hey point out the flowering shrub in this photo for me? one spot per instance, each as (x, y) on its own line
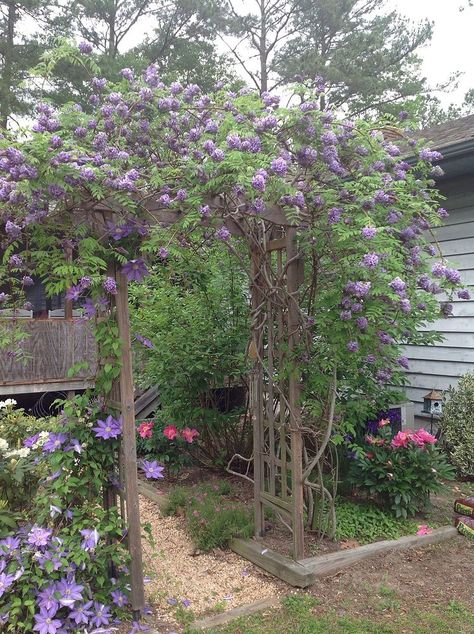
(19, 469)
(399, 472)
(55, 569)
(458, 428)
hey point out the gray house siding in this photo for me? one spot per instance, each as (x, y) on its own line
(440, 366)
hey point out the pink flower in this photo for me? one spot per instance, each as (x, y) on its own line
(422, 438)
(402, 439)
(145, 429)
(424, 529)
(189, 434)
(170, 432)
(384, 422)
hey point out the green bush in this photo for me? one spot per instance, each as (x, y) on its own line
(457, 425)
(212, 521)
(197, 342)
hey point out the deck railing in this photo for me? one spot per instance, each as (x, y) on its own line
(50, 349)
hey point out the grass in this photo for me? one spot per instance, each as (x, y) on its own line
(297, 615)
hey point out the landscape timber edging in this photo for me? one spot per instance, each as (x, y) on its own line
(230, 615)
(304, 572)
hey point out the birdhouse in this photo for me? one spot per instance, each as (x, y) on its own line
(433, 403)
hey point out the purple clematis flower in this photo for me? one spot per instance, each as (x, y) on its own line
(54, 442)
(108, 428)
(32, 440)
(135, 270)
(81, 614)
(101, 615)
(91, 539)
(46, 623)
(46, 599)
(70, 592)
(39, 536)
(5, 582)
(152, 469)
(9, 544)
(119, 598)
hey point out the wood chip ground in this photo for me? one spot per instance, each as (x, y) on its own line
(210, 582)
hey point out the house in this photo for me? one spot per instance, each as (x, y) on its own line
(439, 367)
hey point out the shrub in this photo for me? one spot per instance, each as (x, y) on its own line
(20, 472)
(211, 520)
(195, 346)
(400, 472)
(457, 425)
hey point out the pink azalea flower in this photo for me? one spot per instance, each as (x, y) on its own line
(424, 529)
(422, 437)
(384, 422)
(190, 434)
(145, 429)
(402, 439)
(171, 432)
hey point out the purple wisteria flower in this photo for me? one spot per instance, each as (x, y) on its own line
(119, 598)
(152, 469)
(279, 166)
(353, 346)
(85, 47)
(163, 253)
(370, 260)
(403, 362)
(108, 428)
(39, 536)
(127, 73)
(46, 623)
(223, 234)
(369, 232)
(91, 539)
(362, 323)
(398, 285)
(453, 276)
(135, 270)
(110, 285)
(464, 294)
(334, 215)
(54, 442)
(430, 155)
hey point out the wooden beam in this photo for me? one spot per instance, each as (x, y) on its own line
(293, 572)
(329, 564)
(129, 449)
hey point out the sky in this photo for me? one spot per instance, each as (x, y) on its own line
(452, 46)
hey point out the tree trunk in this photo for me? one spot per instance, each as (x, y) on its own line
(112, 44)
(263, 48)
(8, 56)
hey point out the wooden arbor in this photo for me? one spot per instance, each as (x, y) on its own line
(277, 272)
(275, 276)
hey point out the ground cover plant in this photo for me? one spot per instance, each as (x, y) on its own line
(212, 520)
(361, 213)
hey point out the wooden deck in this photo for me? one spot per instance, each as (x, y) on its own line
(52, 347)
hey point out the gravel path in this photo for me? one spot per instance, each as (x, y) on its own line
(211, 582)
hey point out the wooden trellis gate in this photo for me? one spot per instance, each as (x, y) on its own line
(277, 271)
